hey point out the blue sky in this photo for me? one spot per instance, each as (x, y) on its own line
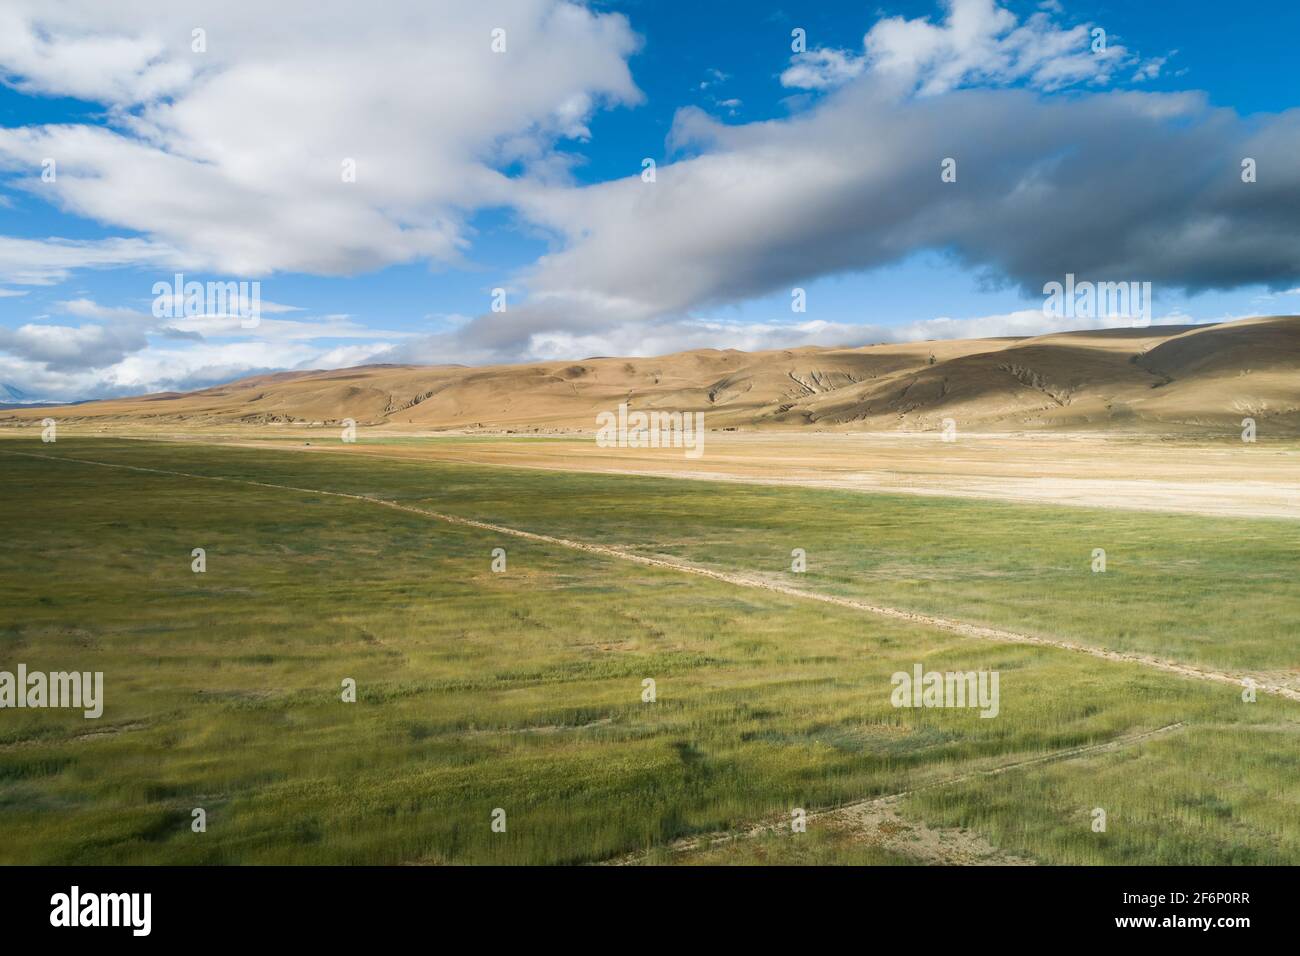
(521, 170)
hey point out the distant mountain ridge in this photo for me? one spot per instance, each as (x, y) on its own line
(1175, 377)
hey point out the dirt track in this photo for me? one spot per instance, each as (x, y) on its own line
(878, 816)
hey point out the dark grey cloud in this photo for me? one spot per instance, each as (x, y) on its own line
(1120, 186)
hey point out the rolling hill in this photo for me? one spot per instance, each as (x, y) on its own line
(1159, 378)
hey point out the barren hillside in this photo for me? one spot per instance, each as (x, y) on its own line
(1169, 377)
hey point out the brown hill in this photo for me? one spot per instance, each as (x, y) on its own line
(1158, 378)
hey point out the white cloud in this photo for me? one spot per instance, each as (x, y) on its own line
(673, 335)
(235, 156)
(1026, 322)
(714, 77)
(123, 351)
(160, 367)
(1150, 69)
(821, 69)
(48, 261)
(62, 347)
(181, 369)
(978, 42)
(280, 330)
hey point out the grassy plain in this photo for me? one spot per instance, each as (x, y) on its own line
(1209, 590)
(522, 690)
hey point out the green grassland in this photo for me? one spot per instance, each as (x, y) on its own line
(1213, 591)
(522, 690)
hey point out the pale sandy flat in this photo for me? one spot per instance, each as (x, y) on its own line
(1224, 477)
